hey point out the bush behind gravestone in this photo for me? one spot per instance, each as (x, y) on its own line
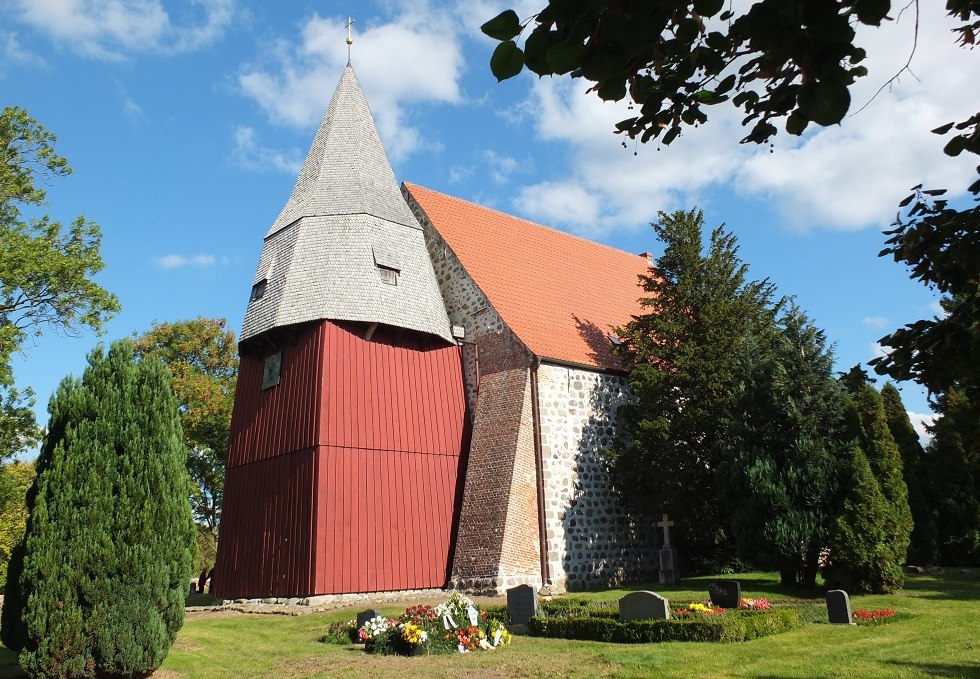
(110, 542)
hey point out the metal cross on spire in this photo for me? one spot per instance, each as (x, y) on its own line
(350, 40)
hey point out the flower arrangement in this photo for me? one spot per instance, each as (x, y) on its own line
(454, 626)
(873, 616)
(375, 627)
(760, 604)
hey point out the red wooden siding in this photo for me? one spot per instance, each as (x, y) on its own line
(380, 428)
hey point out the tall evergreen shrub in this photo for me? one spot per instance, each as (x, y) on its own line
(110, 544)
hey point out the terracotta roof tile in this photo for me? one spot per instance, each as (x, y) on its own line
(559, 293)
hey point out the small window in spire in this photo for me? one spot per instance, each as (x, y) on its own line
(388, 275)
(258, 290)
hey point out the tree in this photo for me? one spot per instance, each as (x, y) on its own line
(781, 482)
(45, 270)
(877, 564)
(775, 59)
(923, 544)
(954, 479)
(203, 359)
(700, 310)
(15, 479)
(110, 541)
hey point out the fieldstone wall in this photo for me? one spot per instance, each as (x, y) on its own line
(592, 540)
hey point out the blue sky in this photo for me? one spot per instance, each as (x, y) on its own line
(186, 124)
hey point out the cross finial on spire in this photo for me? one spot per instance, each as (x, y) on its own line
(350, 40)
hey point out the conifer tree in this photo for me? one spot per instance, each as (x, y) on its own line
(886, 551)
(923, 545)
(110, 542)
(954, 489)
(701, 309)
(781, 483)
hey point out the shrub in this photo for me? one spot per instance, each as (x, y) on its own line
(601, 626)
(110, 542)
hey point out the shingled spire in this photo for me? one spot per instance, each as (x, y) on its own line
(346, 247)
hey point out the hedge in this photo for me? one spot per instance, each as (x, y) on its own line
(603, 625)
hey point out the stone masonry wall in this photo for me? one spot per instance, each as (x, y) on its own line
(592, 540)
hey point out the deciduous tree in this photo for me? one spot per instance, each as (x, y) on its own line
(46, 270)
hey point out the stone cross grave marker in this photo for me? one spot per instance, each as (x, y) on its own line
(668, 555)
(838, 607)
(725, 593)
(643, 605)
(522, 604)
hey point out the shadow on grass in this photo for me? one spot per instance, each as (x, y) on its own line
(943, 587)
(935, 669)
(9, 669)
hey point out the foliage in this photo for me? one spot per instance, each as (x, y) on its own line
(109, 544)
(780, 483)
(923, 543)
(954, 480)
(699, 312)
(15, 479)
(728, 626)
(45, 270)
(203, 359)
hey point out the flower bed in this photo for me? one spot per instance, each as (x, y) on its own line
(456, 626)
(863, 616)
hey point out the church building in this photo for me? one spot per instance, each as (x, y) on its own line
(424, 391)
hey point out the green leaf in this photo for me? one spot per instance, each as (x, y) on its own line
(825, 102)
(708, 8)
(504, 26)
(726, 84)
(564, 56)
(955, 146)
(507, 60)
(796, 123)
(871, 12)
(943, 129)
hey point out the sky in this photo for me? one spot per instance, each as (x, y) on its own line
(186, 124)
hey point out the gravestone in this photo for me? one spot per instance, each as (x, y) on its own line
(364, 616)
(838, 607)
(201, 579)
(643, 605)
(725, 593)
(669, 574)
(522, 604)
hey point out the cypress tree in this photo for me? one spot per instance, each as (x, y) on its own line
(923, 543)
(955, 479)
(110, 545)
(780, 485)
(701, 309)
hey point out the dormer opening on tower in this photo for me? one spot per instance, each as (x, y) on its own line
(261, 281)
(388, 262)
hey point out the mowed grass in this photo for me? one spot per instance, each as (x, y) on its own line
(936, 633)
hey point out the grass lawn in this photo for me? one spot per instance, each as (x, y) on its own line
(936, 633)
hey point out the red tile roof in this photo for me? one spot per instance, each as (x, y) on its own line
(559, 293)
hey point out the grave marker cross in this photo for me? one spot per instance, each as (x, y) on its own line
(666, 524)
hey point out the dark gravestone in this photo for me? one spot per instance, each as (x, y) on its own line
(725, 593)
(522, 604)
(838, 607)
(364, 616)
(643, 605)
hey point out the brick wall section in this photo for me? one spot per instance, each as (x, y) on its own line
(497, 544)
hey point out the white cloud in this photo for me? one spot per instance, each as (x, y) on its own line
(876, 322)
(501, 166)
(459, 173)
(181, 261)
(878, 351)
(113, 29)
(561, 203)
(248, 154)
(920, 421)
(12, 52)
(296, 87)
(844, 177)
